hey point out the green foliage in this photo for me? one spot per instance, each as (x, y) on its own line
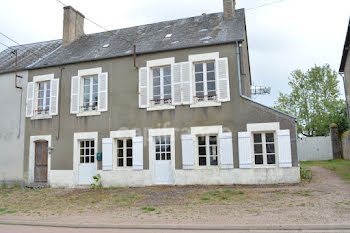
(97, 182)
(339, 166)
(305, 173)
(315, 101)
(148, 209)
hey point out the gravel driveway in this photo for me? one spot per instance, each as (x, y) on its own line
(324, 200)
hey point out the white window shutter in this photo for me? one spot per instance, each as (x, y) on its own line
(54, 92)
(75, 95)
(107, 154)
(30, 99)
(137, 153)
(103, 92)
(143, 87)
(245, 150)
(176, 84)
(186, 74)
(226, 151)
(223, 81)
(284, 148)
(187, 151)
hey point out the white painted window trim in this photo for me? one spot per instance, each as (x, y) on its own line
(198, 58)
(76, 154)
(270, 127)
(158, 64)
(31, 168)
(120, 134)
(83, 73)
(152, 158)
(206, 131)
(36, 80)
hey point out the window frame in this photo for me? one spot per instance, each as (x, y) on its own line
(161, 86)
(37, 110)
(264, 152)
(117, 135)
(206, 97)
(87, 148)
(207, 148)
(91, 93)
(36, 80)
(125, 156)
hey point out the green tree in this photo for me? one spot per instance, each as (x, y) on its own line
(314, 100)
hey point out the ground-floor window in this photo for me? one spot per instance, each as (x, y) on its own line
(207, 150)
(87, 151)
(163, 148)
(264, 148)
(124, 152)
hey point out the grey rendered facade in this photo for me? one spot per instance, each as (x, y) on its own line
(225, 37)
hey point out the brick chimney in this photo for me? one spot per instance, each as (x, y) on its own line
(229, 9)
(73, 25)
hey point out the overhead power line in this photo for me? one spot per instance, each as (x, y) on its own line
(266, 4)
(5, 45)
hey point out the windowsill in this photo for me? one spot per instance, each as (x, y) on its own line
(123, 169)
(161, 107)
(265, 166)
(208, 167)
(205, 104)
(89, 113)
(42, 117)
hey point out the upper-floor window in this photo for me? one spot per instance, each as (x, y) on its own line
(207, 150)
(90, 93)
(43, 98)
(205, 86)
(161, 78)
(264, 149)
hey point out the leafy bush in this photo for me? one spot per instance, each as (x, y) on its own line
(305, 173)
(98, 183)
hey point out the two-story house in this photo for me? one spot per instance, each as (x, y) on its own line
(163, 103)
(344, 69)
(14, 64)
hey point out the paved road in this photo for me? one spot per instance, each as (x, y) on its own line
(29, 229)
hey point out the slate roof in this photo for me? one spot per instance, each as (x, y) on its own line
(190, 32)
(27, 55)
(346, 50)
(186, 33)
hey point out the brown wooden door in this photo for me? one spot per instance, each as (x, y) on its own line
(40, 171)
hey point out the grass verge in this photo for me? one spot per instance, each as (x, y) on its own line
(339, 166)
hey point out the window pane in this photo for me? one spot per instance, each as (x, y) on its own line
(120, 143)
(168, 156)
(212, 140)
(157, 148)
(81, 151)
(202, 150)
(210, 66)
(156, 81)
(87, 159)
(168, 148)
(212, 93)
(259, 159)
(157, 156)
(95, 80)
(86, 81)
(92, 159)
(41, 102)
(163, 156)
(157, 140)
(120, 152)
(95, 88)
(163, 149)
(166, 71)
(41, 87)
(201, 140)
(129, 143)
(214, 161)
(87, 143)
(120, 162)
(258, 148)
(257, 138)
(92, 143)
(198, 67)
(129, 162)
(213, 150)
(167, 90)
(271, 159)
(156, 91)
(269, 137)
(47, 93)
(162, 140)
(199, 77)
(202, 161)
(211, 86)
(81, 143)
(129, 152)
(211, 76)
(270, 148)
(156, 72)
(200, 94)
(87, 152)
(81, 159)
(92, 152)
(199, 87)
(167, 140)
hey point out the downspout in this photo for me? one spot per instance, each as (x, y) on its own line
(346, 98)
(59, 102)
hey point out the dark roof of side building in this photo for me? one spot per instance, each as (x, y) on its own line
(346, 50)
(27, 55)
(204, 30)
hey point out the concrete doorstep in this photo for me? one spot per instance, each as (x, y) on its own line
(181, 227)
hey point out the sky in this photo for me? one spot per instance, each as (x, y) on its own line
(282, 37)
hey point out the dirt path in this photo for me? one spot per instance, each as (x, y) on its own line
(325, 199)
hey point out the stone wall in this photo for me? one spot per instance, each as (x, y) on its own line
(346, 145)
